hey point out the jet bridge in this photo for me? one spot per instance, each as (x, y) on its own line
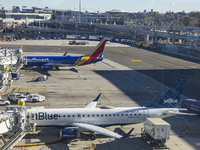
(11, 60)
(11, 57)
(14, 124)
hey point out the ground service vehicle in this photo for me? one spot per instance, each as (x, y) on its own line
(15, 75)
(138, 43)
(147, 44)
(156, 131)
(77, 42)
(4, 102)
(35, 98)
(15, 96)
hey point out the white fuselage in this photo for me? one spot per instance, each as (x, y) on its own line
(96, 116)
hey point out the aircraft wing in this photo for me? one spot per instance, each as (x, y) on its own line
(93, 103)
(97, 129)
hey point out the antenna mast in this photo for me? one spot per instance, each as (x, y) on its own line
(79, 11)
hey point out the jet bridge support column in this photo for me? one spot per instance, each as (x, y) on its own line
(147, 37)
(173, 39)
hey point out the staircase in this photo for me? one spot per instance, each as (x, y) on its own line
(12, 139)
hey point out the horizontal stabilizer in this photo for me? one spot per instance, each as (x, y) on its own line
(178, 111)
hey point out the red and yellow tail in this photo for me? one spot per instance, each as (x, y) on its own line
(93, 56)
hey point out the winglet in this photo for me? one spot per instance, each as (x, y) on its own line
(93, 103)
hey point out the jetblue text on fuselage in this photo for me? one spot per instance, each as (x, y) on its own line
(45, 116)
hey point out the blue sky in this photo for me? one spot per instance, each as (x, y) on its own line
(106, 5)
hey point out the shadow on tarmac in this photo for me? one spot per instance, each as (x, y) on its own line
(126, 81)
(42, 137)
(45, 71)
(125, 144)
(130, 83)
(167, 77)
(54, 136)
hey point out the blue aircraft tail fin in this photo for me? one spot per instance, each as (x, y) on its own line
(172, 98)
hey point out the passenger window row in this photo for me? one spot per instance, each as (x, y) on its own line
(101, 115)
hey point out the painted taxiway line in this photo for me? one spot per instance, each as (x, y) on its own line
(160, 61)
(116, 50)
(136, 60)
(57, 89)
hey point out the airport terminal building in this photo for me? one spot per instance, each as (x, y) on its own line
(23, 17)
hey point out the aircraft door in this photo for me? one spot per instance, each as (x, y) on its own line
(23, 61)
(146, 113)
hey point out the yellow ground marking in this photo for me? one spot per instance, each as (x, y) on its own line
(160, 61)
(57, 49)
(57, 89)
(136, 60)
(164, 62)
(116, 50)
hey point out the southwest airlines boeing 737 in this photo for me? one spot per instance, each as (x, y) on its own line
(49, 62)
(94, 119)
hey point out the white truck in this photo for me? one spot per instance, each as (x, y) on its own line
(15, 97)
(35, 98)
(71, 36)
(94, 38)
(78, 42)
(156, 132)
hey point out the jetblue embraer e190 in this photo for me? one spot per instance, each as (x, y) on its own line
(94, 119)
(48, 62)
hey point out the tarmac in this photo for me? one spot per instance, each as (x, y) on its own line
(75, 87)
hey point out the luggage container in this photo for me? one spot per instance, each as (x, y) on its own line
(156, 131)
(15, 75)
